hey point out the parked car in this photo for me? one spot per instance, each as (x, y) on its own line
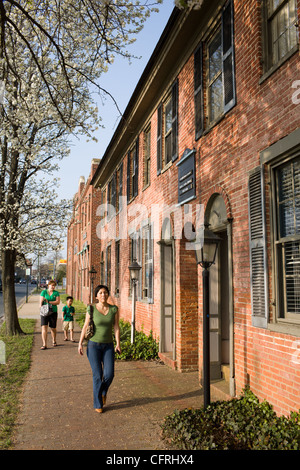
(0, 285)
(43, 283)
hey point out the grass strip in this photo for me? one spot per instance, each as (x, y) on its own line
(15, 355)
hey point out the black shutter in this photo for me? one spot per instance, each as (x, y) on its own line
(198, 92)
(136, 169)
(108, 199)
(120, 186)
(258, 250)
(175, 120)
(228, 57)
(128, 177)
(114, 190)
(159, 139)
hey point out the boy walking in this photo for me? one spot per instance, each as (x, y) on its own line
(67, 316)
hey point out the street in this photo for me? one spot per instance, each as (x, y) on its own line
(20, 295)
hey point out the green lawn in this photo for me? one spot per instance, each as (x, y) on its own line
(17, 358)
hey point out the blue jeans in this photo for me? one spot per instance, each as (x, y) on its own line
(102, 360)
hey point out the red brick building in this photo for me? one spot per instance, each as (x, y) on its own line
(83, 245)
(213, 125)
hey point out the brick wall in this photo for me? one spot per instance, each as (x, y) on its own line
(82, 233)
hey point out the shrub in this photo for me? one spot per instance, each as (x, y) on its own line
(144, 347)
(237, 424)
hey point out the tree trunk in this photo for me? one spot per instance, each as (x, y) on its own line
(9, 297)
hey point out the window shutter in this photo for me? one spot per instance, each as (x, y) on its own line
(258, 250)
(108, 199)
(150, 265)
(136, 168)
(175, 121)
(128, 178)
(198, 93)
(159, 139)
(113, 190)
(228, 57)
(120, 186)
(139, 260)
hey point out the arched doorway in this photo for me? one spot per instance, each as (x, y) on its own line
(221, 304)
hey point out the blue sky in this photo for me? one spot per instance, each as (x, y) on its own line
(120, 81)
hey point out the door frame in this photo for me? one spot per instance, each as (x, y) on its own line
(220, 222)
(170, 243)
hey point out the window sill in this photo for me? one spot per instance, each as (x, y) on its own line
(285, 328)
(166, 167)
(146, 186)
(275, 67)
(130, 200)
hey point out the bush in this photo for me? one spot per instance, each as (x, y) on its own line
(237, 424)
(144, 347)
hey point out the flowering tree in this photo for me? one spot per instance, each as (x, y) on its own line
(52, 55)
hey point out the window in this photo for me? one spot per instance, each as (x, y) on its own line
(287, 179)
(167, 129)
(109, 196)
(147, 263)
(112, 196)
(220, 67)
(108, 267)
(198, 93)
(218, 51)
(215, 82)
(147, 149)
(103, 207)
(280, 30)
(120, 189)
(133, 171)
(102, 281)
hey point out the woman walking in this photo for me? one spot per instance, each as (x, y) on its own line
(52, 297)
(100, 348)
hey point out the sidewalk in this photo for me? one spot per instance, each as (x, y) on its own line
(57, 403)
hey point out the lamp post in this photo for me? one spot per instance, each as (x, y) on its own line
(92, 273)
(206, 251)
(134, 269)
(28, 264)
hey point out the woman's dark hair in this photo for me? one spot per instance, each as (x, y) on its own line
(101, 287)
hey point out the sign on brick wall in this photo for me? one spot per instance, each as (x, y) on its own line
(186, 176)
